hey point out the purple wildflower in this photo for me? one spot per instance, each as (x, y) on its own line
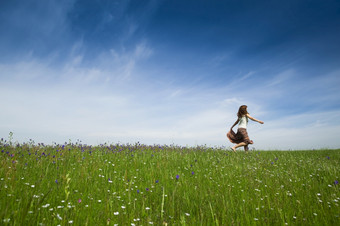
(147, 189)
(177, 177)
(138, 191)
(336, 182)
(192, 173)
(56, 181)
(157, 181)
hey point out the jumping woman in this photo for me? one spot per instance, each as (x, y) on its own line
(241, 137)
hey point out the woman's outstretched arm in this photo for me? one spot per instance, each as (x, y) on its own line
(254, 119)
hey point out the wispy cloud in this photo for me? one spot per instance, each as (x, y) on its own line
(34, 28)
(302, 131)
(279, 79)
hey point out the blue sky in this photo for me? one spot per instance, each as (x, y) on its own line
(170, 72)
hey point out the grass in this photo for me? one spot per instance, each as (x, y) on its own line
(166, 185)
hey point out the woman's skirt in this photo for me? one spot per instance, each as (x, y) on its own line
(239, 137)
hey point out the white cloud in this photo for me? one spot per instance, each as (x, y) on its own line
(25, 71)
(75, 102)
(100, 104)
(142, 51)
(95, 115)
(282, 77)
(301, 131)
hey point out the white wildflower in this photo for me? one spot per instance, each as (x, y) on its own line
(45, 206)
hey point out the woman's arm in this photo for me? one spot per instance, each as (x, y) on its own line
(235, 124)
(254, 119)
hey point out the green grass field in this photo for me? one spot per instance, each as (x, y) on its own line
(166, 185)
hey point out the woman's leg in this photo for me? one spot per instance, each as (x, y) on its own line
(246, 148)
(238, 145)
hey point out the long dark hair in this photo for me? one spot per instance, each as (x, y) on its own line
(242, 111)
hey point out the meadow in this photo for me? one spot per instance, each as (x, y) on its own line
(136, 184)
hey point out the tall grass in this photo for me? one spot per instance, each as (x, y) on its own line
(166, 185)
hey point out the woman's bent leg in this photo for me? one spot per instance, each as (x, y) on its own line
(239, 145)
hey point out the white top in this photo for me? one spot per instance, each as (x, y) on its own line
(243, 122)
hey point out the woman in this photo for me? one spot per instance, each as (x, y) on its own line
(241, 138)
